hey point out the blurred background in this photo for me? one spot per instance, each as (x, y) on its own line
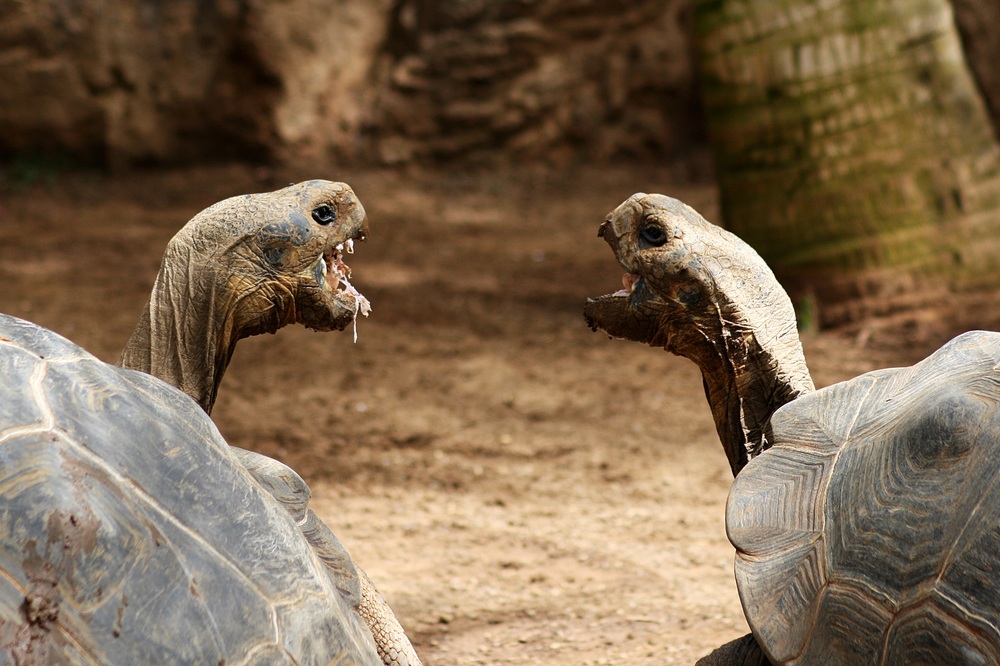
(522, 490)
(854, 143)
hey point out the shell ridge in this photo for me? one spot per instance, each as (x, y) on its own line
(901, 388)
(255, 651)
(923, 629)
(861, 403)
(982, 619)
(969, 519)
(38, 393)
(853, 615)
(833, 443)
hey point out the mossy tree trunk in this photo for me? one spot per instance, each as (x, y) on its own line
(852, 147)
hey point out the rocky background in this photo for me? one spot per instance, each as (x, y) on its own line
(117, 83)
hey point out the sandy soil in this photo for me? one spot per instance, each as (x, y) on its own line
(524, 491)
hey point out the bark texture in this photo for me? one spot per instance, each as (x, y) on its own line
(853, 148)
(979, 24)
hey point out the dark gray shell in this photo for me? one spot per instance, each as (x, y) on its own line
(131, 534)
(870, 532)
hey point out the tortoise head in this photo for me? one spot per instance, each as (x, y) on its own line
(699, 291)
(247, 265)
(673, 261)
(277, 257)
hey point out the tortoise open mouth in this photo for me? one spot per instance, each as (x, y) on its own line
(337, 276)
(629, 283)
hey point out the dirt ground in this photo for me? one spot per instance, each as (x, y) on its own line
(522, 490)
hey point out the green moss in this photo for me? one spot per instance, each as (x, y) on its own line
(27, 169)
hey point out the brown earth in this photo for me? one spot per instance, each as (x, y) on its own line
(524, 491)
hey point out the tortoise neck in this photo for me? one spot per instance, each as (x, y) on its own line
(750, 369)
(186, 335)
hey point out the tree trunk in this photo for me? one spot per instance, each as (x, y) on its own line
(852, 147)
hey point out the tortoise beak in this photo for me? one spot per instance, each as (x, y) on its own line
(614, 315)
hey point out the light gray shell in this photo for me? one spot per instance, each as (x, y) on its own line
(131, 534)
(870, 532)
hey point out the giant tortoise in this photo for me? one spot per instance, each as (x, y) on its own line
(130, 533)
(865, 515)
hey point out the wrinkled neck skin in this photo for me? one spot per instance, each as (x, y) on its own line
(748, 370)
(189, 329)
(751, 361)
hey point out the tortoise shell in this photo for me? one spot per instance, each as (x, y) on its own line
(131, 534)
(870, 531)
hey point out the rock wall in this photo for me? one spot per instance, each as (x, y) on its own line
(544, 78)
(112, 81)
(123, 82)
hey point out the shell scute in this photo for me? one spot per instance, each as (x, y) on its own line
(776, 500)
(788, 587)
(937, 631)
(847, 628)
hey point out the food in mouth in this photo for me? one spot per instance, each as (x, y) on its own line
(338, 277)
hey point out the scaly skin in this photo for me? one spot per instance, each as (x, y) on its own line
(393, 646)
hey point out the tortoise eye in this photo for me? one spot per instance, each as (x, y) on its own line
(324, 214)
(654, 235)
